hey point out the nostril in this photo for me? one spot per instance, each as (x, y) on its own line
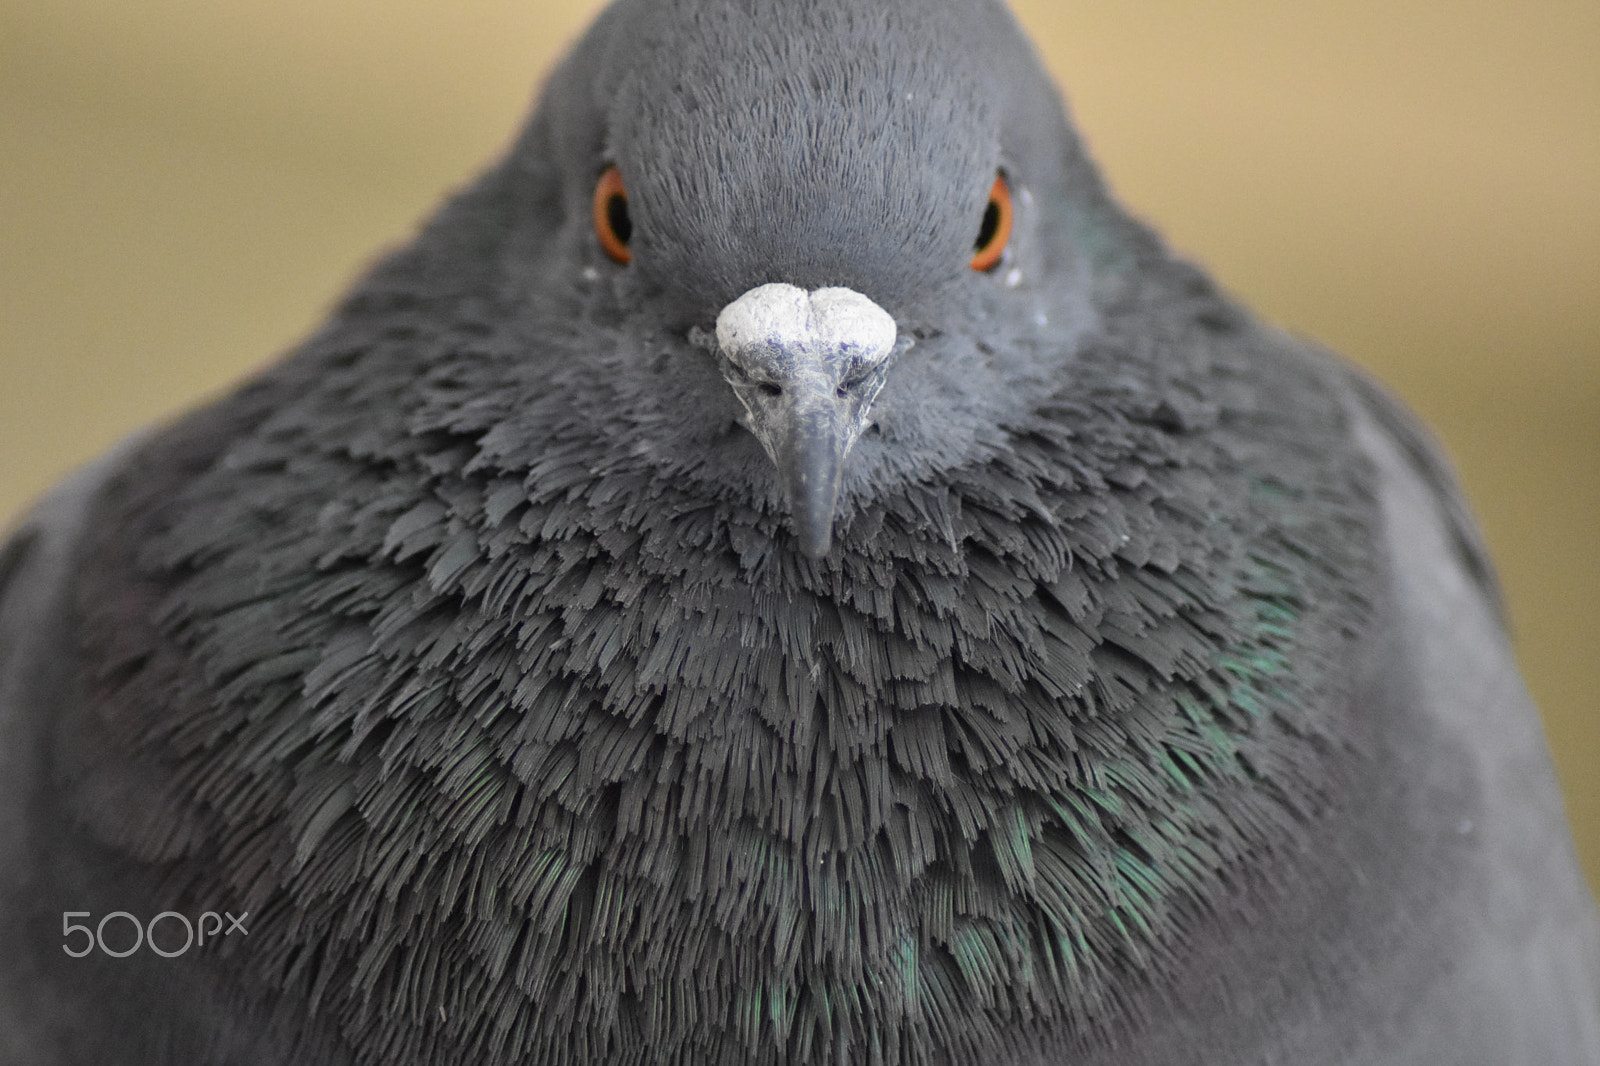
(769, 389)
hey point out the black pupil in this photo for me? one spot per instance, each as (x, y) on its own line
(617, 217)
(991, 225)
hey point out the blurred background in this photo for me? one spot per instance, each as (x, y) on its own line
(186, 185)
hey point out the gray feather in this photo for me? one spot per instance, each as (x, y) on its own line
(1147, 701)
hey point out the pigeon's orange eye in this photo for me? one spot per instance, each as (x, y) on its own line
(995, 229)
(611, 222)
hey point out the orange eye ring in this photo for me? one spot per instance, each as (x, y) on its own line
(994, 233)
(611, 222)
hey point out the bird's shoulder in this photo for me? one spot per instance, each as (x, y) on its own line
(37, 578)
(37, 658)
(1518, 947)
(1478, 940)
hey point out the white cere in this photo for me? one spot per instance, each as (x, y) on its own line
(770, 327)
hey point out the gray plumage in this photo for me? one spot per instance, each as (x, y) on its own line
(563, 661)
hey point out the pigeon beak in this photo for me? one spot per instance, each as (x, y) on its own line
(807, 367)
(809, 442)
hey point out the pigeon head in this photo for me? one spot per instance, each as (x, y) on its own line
(832, 206)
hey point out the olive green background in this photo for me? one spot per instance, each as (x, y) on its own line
(186, 185)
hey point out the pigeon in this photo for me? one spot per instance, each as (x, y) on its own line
(783, 569)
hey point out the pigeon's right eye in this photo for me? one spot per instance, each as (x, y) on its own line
(611, 222)
(994, 232)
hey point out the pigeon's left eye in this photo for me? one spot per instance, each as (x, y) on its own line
(611, 222)
(995, 230)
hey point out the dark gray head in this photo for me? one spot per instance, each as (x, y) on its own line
(774, 155)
